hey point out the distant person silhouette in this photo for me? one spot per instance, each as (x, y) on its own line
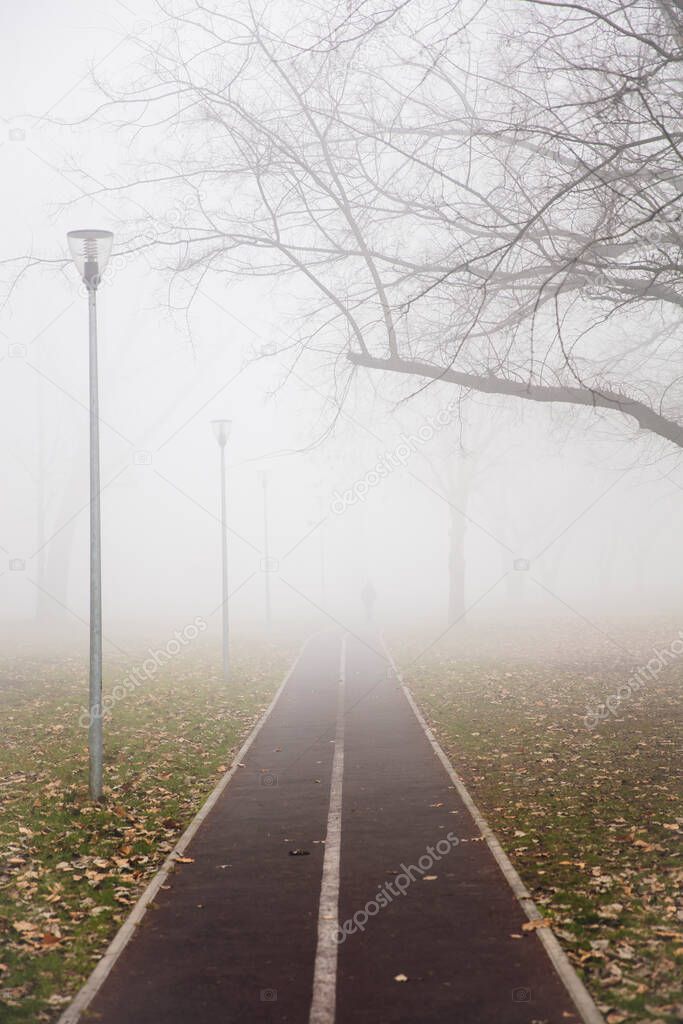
(368, 596)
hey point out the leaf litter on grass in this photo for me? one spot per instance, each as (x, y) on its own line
(70, 869)
(591, 820)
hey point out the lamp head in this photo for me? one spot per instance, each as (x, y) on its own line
(90, 251)
(221, 429)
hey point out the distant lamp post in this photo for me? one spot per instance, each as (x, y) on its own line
(266, 551)
(221, 429)
(322, 517)
(90, 251)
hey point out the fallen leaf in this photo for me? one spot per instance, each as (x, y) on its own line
(57, 1000)
(610, 912)
(25, 927)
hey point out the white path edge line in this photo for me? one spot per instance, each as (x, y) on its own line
(87, 993)
(323, 1003)
(581, 998)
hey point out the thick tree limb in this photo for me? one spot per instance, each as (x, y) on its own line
(646, 417)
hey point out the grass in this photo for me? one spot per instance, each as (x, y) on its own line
(70, 869)
(591, 819)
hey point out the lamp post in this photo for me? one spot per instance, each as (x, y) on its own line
(90, 251)
(221, 429)
(266, 549)
(322, 518)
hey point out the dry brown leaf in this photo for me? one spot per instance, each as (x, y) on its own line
(25, 927)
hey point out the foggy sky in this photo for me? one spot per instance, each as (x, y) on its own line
(593, 514)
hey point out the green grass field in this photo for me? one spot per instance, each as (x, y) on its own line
(69, 869)
(592, 820)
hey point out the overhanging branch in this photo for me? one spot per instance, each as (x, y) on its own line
(646, 417)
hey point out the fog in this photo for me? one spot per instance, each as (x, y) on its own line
(560, 513)
(341, 406)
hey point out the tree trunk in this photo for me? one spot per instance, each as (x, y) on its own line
(458, 487)
(606, 567)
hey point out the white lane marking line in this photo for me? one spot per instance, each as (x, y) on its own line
(580, 995)
(323, 1004)
(85, 996)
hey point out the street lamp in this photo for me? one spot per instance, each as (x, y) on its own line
(321, 523)
(221, 429)
(266, 549)
(90, 251)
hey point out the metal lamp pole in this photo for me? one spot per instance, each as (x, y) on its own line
(266, 550)
(323, 597)
(90, 251)
(221, 429)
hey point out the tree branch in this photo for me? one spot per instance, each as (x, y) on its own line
(646, 417)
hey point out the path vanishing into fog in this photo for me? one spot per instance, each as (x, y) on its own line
(338, 876)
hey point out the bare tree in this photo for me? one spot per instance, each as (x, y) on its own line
(487, 195)
(462, 455)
